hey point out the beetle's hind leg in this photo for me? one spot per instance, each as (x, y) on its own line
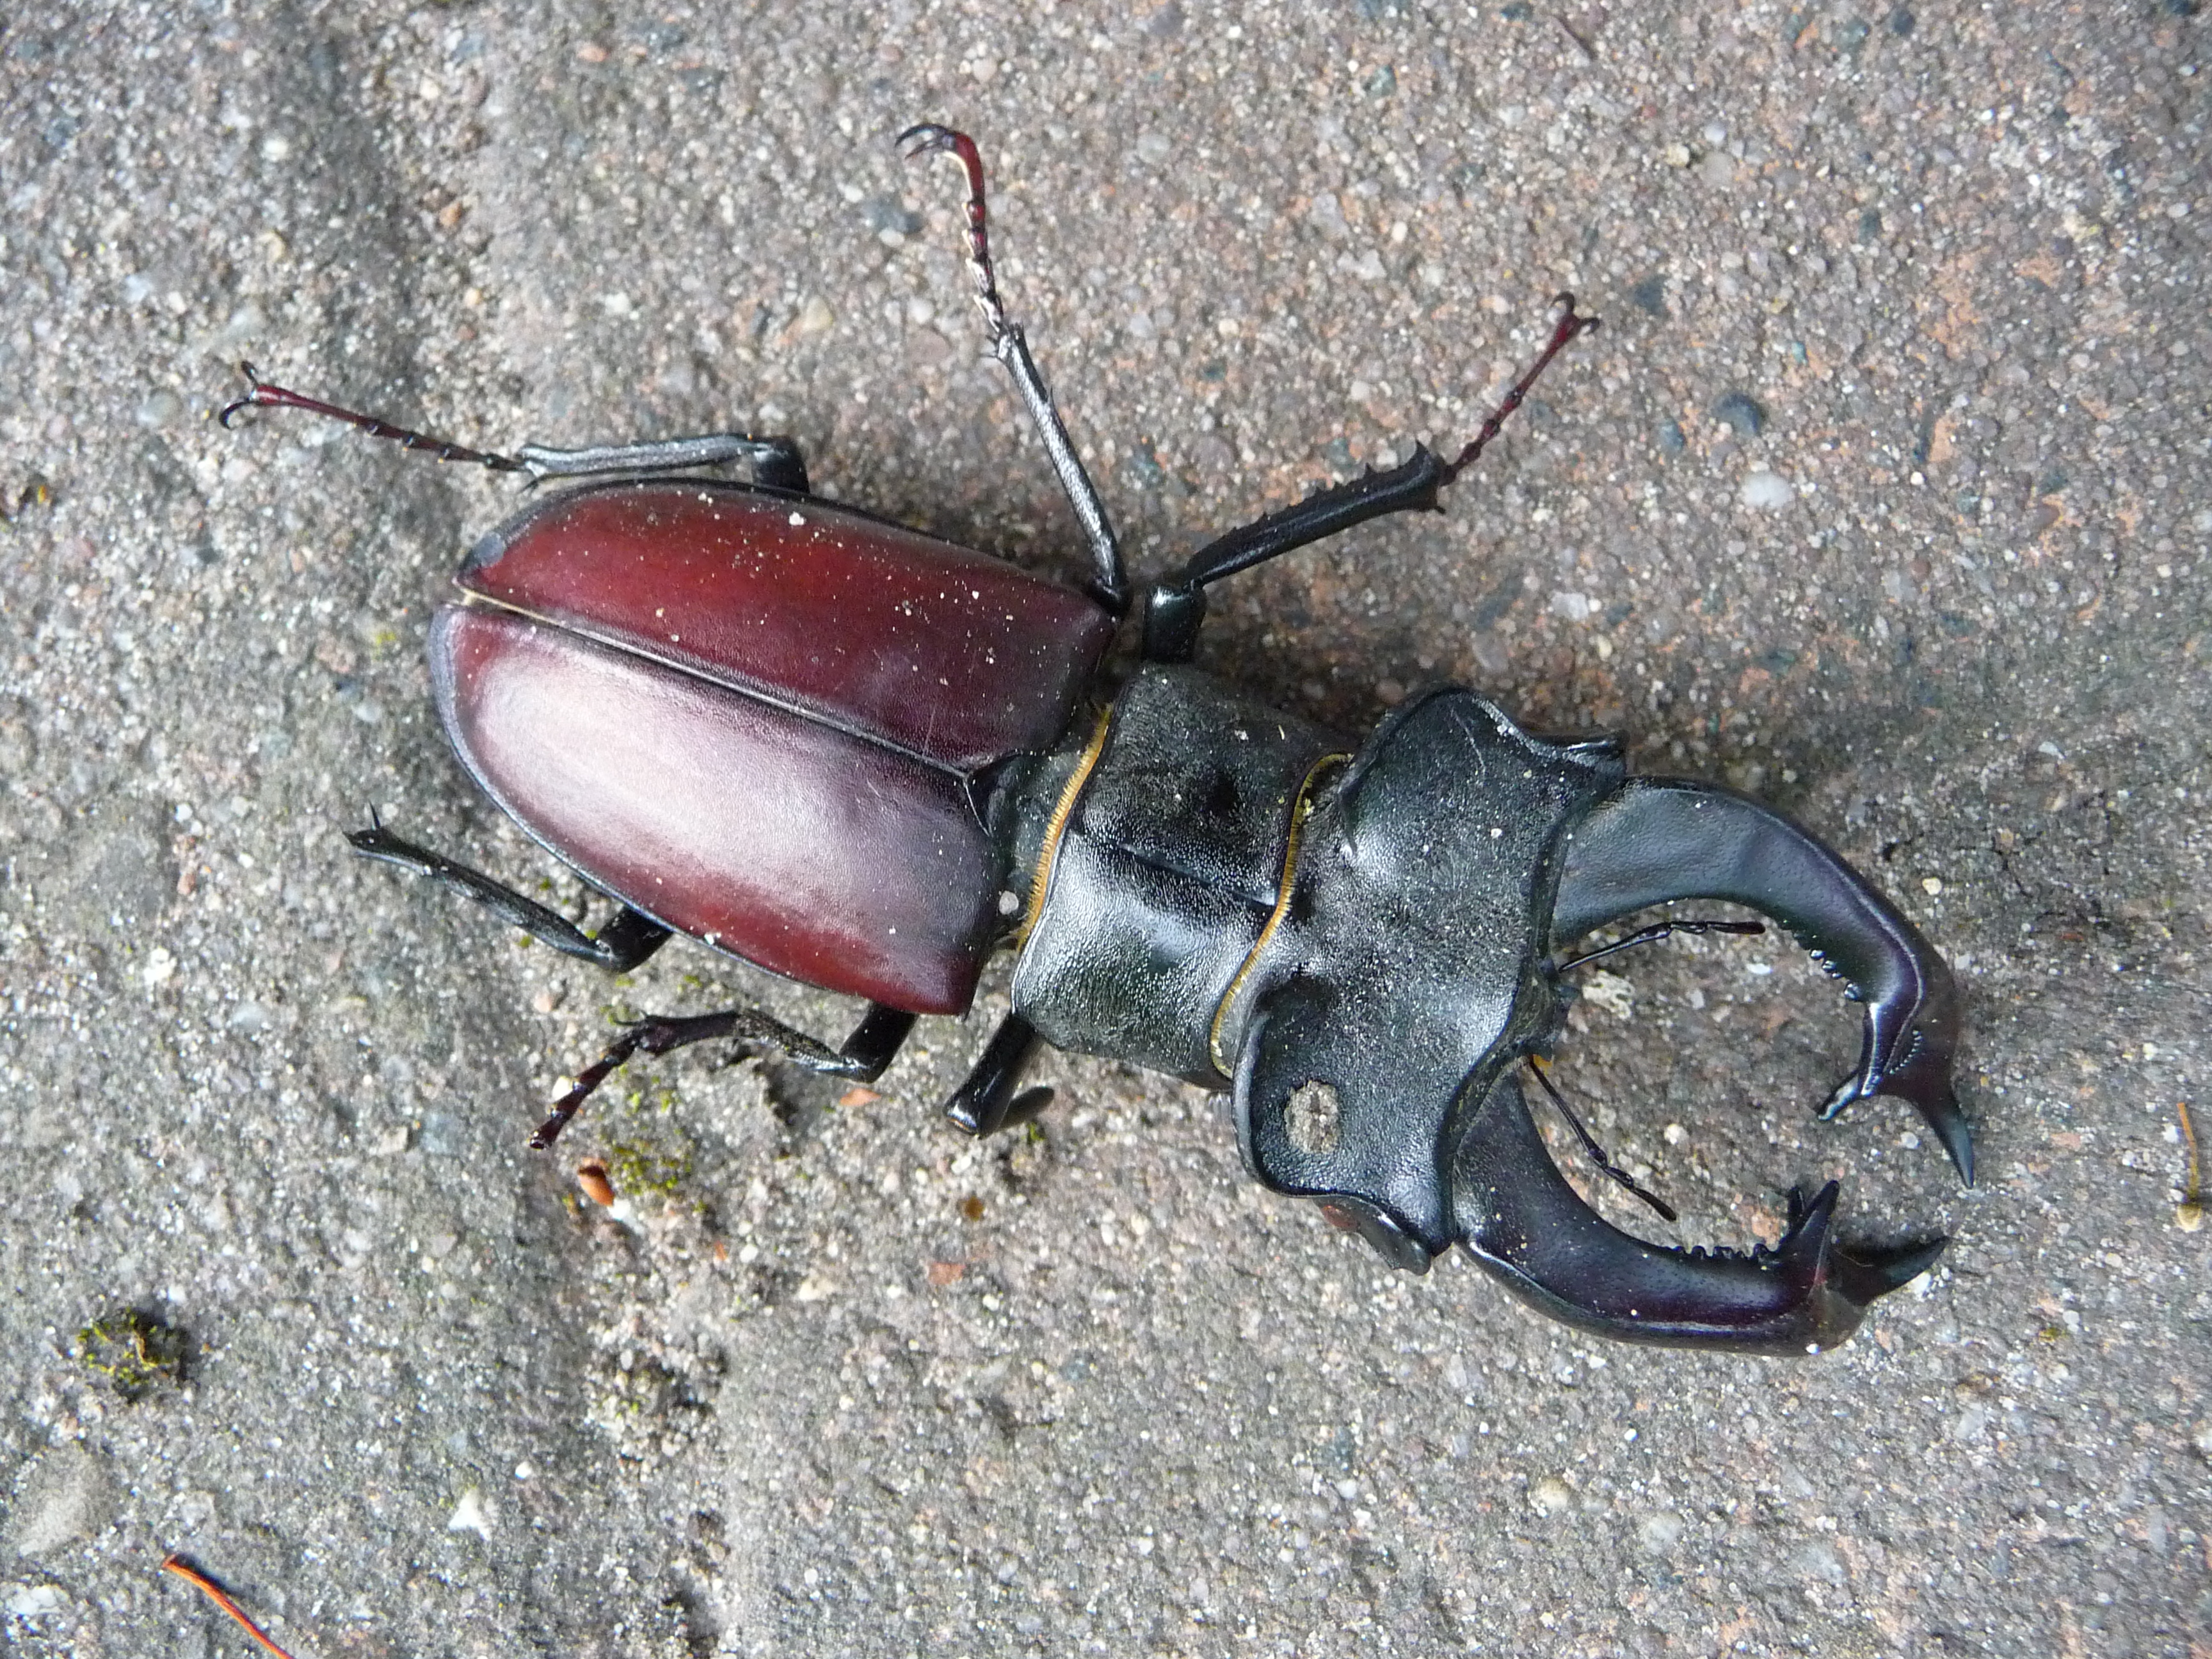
(619, 947)
(775, 462)
(862, 1057)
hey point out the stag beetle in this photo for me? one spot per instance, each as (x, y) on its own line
(864, 758)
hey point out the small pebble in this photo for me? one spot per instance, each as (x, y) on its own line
(472, 1515)
(162, 407)
(1550, 1496)
(1767, 489)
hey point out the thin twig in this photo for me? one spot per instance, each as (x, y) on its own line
(2189, 1214)
(214, 1593)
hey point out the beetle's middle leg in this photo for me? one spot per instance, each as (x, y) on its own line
(1176, 606)
(992, 1098)
(862, 1057)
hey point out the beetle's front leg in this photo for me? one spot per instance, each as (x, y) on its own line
(1176, 606)
(992, 1098)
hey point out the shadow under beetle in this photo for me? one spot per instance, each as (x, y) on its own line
(863, 758)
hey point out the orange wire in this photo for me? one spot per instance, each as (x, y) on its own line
(214, 1592)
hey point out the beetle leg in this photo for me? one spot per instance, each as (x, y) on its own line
(874, 1044)
(264, 394)
(619, 947)
(1008, 346)
(775, 462)
(862, 1058)
(1598, 1155)
(992, 1098)
(1516, 1215)
(1657, 839)
(1176, 606)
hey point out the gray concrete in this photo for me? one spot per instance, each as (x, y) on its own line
(1884, 491)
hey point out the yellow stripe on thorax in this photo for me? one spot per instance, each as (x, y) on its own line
(1056, 826)
(1301, 810)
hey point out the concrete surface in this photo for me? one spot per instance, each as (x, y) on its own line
(1884, 491)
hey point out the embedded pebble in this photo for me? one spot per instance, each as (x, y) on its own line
(1745, 414)
(160, 407)
(1818, 1559)
(1550, 1496)
(472, 1514)
(63, 1497)
(1767, 489)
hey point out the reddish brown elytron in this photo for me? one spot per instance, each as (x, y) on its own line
(800, 848)
(957, 656)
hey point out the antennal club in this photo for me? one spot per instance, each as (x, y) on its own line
(264, 394)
